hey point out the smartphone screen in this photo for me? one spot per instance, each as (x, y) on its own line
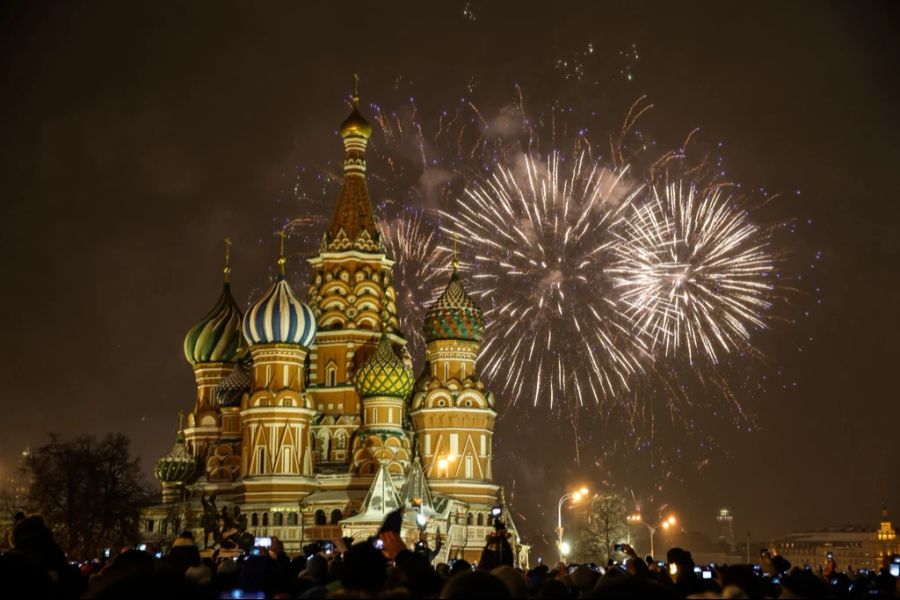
(895, 569)
(707, 574)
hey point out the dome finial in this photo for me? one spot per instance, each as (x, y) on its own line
(356, 89)
(179, 437)
(455, 262)
(281, 259)
(227, 269)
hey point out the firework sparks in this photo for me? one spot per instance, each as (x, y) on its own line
(418, 271)
(693, 271)
(539, 236)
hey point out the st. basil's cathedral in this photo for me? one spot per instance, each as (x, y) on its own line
(309, 423)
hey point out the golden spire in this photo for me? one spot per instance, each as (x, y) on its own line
(180, 420)
(227, 269)
(356, 89)
(455, 262)
(281, 259)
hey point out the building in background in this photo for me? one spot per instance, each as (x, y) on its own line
(856, 547)
(308, 423)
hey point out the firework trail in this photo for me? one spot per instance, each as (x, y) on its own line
(693, 271)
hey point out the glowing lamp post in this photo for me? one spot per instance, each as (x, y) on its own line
(664, 524)
(576, 496)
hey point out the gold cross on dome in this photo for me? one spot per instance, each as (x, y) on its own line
(281, 259)
(227, 269)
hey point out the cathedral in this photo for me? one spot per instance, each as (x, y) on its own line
(309, 423)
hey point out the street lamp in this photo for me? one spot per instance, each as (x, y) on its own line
(665, 524)
(564, 549)
(576, 496)
(444, 464)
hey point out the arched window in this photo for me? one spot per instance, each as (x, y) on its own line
(480, 519)
(336, 516)
(254, 520)
(266, 519)
(320, 517)
(469, 519)
(261, 461)
(292, 518)
(330, 376)
(278, 519)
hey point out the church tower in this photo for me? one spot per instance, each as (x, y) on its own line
(353, 299)
(277, 414)
(211, 347)
(452, 415)
(384, 383)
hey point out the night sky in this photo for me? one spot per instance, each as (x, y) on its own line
(134, 137)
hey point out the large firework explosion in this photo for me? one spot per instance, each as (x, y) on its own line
(693, 271)
(540, 235)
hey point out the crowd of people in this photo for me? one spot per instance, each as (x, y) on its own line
(383, 567)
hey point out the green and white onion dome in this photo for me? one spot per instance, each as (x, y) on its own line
(217, 337)
(177, 466)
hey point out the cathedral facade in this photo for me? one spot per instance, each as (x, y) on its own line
(309, 423)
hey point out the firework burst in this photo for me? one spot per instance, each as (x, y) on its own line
(692, 271)
(538, 239)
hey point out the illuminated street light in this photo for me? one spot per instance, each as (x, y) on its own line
(564, 549)
(576, 496)
(665, 524)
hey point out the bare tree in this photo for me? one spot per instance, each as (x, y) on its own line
(602, 526)
(89, 490)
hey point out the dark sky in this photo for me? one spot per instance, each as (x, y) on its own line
(134, 136)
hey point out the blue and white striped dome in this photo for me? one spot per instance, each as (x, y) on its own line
(280, 318)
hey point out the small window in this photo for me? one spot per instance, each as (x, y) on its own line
(254, 520)
(292, 519)
(469, 519)
(288, 463)
(336, 516)
(469, 470)
(261, 461)
(150, 525)
(446, 371)
(278, 519)
(320, 517)
(331, 377)
(164, 526)
(480, 519)
(265, 519)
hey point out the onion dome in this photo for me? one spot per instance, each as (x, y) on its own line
(233, 386)
(217, 337)
(356, 125)
(279, 317)
(384, 374)
(178, 466)
(454, 316)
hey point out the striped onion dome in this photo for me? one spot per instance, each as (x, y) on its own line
(384, 374)
(217, 337)
(233, 386)
(177, 466)
(454, 316)
(280, 318)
